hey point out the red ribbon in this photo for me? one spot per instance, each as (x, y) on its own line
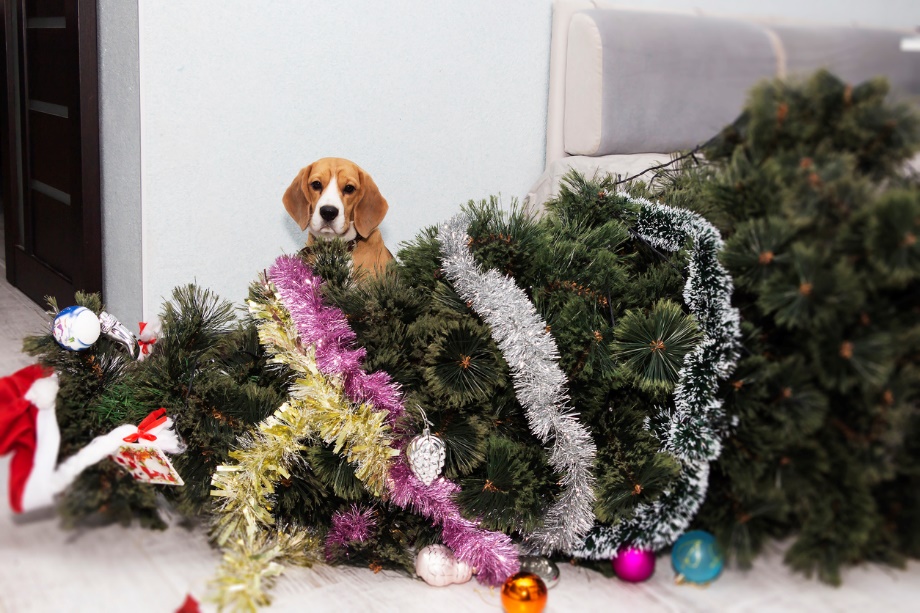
(156, 418)
(145, 345)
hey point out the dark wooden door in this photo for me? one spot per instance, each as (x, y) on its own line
(50, 148)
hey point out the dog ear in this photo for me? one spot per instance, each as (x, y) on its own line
(372, 208)
(295, 199)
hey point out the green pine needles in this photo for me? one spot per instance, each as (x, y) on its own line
(206, 369)
(652, 345)
(96, 395)
(821, 231)
(613, 303)
(462, 369)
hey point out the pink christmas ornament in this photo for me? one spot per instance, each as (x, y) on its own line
(438, 566)
(634, 565)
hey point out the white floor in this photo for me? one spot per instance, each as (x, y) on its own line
(44, 569)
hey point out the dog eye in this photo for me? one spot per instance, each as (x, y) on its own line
(317, 185)
(349, 189)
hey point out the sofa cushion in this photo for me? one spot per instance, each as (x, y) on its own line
(853, 54)
(645, 82)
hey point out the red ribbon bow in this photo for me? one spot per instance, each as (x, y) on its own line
(145, 345)
(150, 422)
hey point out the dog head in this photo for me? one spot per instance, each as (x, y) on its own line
(334, 198)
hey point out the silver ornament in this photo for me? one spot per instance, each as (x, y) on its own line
(542, 567)
(426, 454)
(438, 566)
(116, 331)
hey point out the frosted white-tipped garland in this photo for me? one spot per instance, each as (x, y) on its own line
(539, 383)
(688, 432)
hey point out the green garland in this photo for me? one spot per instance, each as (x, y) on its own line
(690, 431)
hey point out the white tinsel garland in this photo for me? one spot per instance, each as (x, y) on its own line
(688, 432)
(539, 383)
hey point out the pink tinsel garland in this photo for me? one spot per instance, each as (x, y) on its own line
(325, 327)
(352, 526)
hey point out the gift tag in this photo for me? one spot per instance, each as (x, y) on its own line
(147, 464)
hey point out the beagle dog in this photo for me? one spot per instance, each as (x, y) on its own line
(335, 198)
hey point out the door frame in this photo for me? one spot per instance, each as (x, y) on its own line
(21, 270)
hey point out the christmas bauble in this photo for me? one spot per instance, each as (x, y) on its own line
(633, 564)
(117, 331)
(696, 557)
(75, 328)
(524, 593)
(437, 565)
(426, 453)
(544, 568)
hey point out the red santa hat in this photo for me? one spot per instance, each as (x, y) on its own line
(29, 430)
(20, 401)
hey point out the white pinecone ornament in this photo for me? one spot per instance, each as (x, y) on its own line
(426, 454)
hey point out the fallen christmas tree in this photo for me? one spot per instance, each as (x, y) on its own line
(609, 277)
(821, 224)
(473, 356)
(566, 368)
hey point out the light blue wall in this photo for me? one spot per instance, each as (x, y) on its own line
(120, 144)
(439, 101)
(209, 108)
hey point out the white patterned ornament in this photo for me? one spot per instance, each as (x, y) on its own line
(75, 328)
(438, 566)
(426, 454)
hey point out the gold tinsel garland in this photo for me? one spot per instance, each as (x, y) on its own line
(251, 566)
(255, 552)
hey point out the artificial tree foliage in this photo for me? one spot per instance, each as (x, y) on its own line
(821, 222)
(207, 370)
(601, 290)
(96, 395)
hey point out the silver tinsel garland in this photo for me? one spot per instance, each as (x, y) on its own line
(539, 383)
(688, 432)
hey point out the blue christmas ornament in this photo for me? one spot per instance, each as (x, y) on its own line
(696, 557)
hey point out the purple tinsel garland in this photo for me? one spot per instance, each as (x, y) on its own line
(326, 328)
(353, 526)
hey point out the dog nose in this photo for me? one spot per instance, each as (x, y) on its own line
(328, 212)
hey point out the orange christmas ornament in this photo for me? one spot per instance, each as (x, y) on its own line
(523, 593)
